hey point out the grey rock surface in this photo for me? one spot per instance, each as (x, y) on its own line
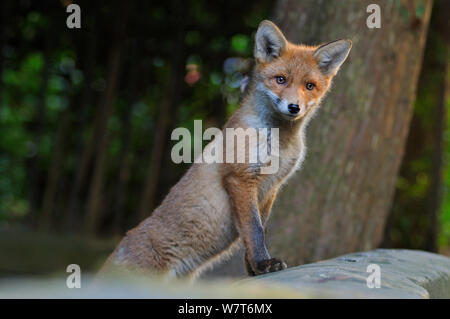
(404, 274)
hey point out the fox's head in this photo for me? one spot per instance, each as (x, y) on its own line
(292, 78)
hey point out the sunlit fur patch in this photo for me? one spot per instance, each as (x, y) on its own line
(312, 102)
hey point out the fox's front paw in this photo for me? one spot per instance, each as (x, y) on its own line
(270, 265)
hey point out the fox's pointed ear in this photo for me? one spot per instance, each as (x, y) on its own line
(330, 56)
(269, 42)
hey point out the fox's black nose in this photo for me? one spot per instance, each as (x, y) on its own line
(293, 108)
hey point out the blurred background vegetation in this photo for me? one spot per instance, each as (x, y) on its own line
(86, 116)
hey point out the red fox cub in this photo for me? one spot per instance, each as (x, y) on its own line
(217, 206)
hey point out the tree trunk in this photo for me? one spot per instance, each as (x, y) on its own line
(339, 201)
(167, 109)
(84, 152)
(413, 218)
(124, 170)
(54, 172)
(93, 207)
(38, 124)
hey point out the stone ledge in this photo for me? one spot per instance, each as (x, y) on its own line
(404, 274)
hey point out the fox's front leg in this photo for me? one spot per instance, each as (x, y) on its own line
(265, 210)
(243, 196)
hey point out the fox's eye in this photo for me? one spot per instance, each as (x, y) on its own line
(280, 79)
(310, 86)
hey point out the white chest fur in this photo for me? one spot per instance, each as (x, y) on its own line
(290, 157)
